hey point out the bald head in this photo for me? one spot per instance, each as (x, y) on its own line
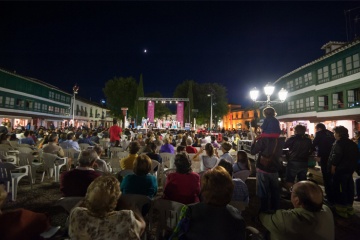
(307, 195)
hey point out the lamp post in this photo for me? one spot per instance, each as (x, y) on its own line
(211, 109)
(268, 90)
(75, 91)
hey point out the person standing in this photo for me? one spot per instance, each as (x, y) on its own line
(341, 165)
(323, 142)
(115, 133)
(268, 165)
(300, 148)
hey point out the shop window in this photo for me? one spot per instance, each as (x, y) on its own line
(353, 97)
(309, 104)
(337, 100)
(323, 103)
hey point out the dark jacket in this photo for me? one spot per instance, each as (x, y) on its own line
(323, 140)
(300, 148)
(265, 146)
(344, 154)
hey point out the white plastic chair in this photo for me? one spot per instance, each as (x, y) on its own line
(126, 172)
(117, 152)
(53, 164)
(36, 164)
(167, 160)
(169, 213)
(154, 164)
(7, 175)
(84, 146)
(69, 203)
(243, 174)
(165, 174)
(6, 157)
(73, 154)
(195, 165)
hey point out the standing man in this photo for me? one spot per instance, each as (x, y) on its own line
(115, 133)
(341, 165)
(300, 148)
(268, 165)
(323, 141)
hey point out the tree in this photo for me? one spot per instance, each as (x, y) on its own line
(120, 92)
(139, 106)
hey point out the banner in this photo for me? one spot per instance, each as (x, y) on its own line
(180, 113)
(150, 111)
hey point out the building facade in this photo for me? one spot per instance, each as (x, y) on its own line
(26, 100)
(325, 90)
(238, 117)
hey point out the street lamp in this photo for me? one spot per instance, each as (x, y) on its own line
(211, 109)
(75, 91)
(269, 90)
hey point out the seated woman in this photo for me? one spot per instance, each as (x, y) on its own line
(152, 153)
(216, 191)
(183, 185)
(141, 182)
(21, 223)
(242, 162)
(167, 147)
(189, 147)
(241, 192)
(98, 220)
(209, 160)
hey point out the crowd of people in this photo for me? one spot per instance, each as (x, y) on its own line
(207, 193)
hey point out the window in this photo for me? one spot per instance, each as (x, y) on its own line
(298, 83)
(309, 104)
(29, 104)
(300, 105)
(352, 63)
(44, 107)
(1, 100)
(9, 102)
(57, 110)
(77, 110)
(62, 98)
(68, 99)
(336, 70)
(51, 95)
(308, 79)
(62, 111)
(291, 107)
(337, 100)
(91, 113)
(323, 74)
(290, 85)
(20, 103)
(51, 109)
(353, 97)
(37, 106)
(323, 103)
(57, 97)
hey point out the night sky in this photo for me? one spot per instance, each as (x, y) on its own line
(240, 45)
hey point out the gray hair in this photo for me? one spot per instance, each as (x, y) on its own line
(87, 158)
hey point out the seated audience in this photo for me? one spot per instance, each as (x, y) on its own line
(310, 218)
(21, 223)
(242, 162)
(141, 182)
(226, 147)
(85, 139)
(94, 138)
(100, 163)
(128, 162)
(184, 184)
(189, 147)
(167, 147)
(241, 192)
(153, 155)
(209, 160)
(75, 182)
(98, 220)
(214, 142)
(216, 191)
(53, 147)
(27, 139)
(70, 143)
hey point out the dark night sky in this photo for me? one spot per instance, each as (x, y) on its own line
(237, 44)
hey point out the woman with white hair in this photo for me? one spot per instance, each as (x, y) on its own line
(99, 220)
